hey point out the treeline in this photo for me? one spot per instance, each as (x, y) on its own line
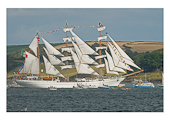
(150, 61)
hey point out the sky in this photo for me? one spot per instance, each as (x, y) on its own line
(122, 24)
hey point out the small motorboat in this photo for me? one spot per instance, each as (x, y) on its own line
(144, 84)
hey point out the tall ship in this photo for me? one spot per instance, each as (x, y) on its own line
(116, 63)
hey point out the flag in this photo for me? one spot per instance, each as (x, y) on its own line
(18, 72)
(99, 24)
(102, 25)
(22, 53)
(26, 56)
(13, 72)
(66, 25)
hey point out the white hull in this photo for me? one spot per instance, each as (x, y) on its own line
(45, 84)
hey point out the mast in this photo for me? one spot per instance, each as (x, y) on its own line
(100, 55)
(101, 28)
(67, 54)
(38, 54)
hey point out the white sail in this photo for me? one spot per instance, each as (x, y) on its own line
(123, 54)
(111, 64)
(67, 49)
(50, 69)
(99, 66)
(67, 29)
(101, 28)
(107, 68)
(98, 48)
(124, 60)
(85, 49)
(31, 64)
(66, 58)
(99, 57)
(82, 68)
(53, 59)
(51, 49)
(68, 39)
(67, 67)
(34, 45)
(83, 58)
(102, 37)
(116, 61)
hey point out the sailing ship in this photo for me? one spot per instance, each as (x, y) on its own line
(115, 63)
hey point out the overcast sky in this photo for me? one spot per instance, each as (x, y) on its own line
(122, 24)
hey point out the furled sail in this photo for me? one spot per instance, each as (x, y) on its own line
(53, 59)
(111, 64)
(66, 58)
(68, 39)
(81, 67)
(85, 49)
(67, 67)
(99, 57)
(83, 58)
(51, 49)
(50, 69)
(116, 61)
(122, 59)
(101, 28)
(99, 66)
(67, 49)
(122, 53)
(99, 48)
(34, 45)
(31, 65)
(107, 68)
(102, 37)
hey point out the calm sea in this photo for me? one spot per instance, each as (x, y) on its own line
(85, 100)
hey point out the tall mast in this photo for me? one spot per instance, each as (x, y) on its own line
(101, 28)
(38, 54)
(100, 55)
(67, 55)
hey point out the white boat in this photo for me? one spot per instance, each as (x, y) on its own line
(115, 64)
(144, 83)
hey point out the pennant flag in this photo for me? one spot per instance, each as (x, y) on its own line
(99, 24)
(13, 72)
(18, 72)
(102, 25)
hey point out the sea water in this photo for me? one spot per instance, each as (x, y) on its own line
(85, 100)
